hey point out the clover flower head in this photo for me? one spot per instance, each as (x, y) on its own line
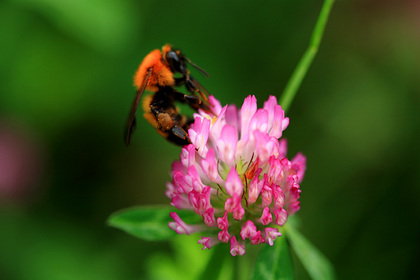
(235, 175)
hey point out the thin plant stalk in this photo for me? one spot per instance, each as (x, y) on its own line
(299, 73)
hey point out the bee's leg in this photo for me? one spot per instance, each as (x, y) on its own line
(163, 119)
(193, 101)
(180, 133)
(166, 126)
(193, 86)
(177, 140)
(151, 118)
(179, 81)
(168, 135)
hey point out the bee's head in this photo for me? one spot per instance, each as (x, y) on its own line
(175, 60)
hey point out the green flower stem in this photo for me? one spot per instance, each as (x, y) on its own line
(295, 80)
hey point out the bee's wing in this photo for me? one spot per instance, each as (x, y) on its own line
(129, 128)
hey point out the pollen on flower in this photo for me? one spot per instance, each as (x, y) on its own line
(235, 175)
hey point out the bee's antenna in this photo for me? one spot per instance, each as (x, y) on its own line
(198, 68)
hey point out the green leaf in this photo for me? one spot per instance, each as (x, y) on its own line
(315, 263)
(274, 262)
(149, 222)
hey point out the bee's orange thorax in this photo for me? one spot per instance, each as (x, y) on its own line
(161, 74)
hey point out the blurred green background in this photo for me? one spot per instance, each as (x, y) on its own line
(66, 71)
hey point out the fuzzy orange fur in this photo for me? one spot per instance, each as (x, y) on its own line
(161, 74)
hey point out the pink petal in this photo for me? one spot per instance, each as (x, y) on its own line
(200, 201)
(170, 190)
(288, 184)
(236, 248)
(232, 117)
(193, 178)
(278, 196)
(259, 121)
(293, 208)
(233, 183)
(208, 217)
(199, 133)
(180, 183)
(238, 212)
(255, 188)
(232, 203)
(266, 193)
(210, 169)
(247, 112)
(282, 148)
(269, 106)
(181, 202)
(275, 171)
(222, 222)
(257, 238)
(281, 216)
(215, 105)
(182, 228)
(271, 234)
(280, 123)
(187, 156)
(264, 146)
(177, 166)
(207, 242)
(226, 144)
(245, 149)
(216, 128)
(266, 217)
(223, 236)
(299, 165)
(249, 230)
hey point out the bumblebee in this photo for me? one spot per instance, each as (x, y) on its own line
(157, 73)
